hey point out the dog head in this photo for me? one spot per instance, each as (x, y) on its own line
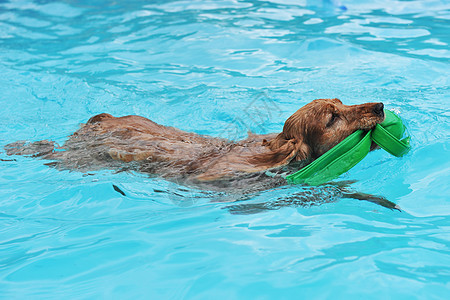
(319, 126)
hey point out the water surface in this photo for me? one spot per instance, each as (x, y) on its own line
(222, 68)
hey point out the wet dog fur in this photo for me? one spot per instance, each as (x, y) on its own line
(137, 143)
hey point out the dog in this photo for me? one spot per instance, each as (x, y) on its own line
(307, 134)
(137, 143)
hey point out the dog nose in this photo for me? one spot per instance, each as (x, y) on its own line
(378, 109)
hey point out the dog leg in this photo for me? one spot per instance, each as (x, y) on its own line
(371, 198)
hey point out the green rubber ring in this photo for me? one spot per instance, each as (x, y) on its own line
(334, 162)
(352, 150)
(389, 133)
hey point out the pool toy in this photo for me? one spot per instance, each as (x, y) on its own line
(345, 155)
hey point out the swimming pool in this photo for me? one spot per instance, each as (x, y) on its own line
(207, 66)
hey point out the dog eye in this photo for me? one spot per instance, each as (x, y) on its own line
(334, 117)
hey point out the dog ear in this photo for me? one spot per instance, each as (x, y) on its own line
(283, 151)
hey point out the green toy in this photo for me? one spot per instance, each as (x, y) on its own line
(345, 155)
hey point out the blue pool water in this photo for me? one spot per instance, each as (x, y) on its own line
(222, 68)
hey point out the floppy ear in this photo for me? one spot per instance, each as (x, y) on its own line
(282, 151)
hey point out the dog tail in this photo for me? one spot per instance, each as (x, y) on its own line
(43, 148)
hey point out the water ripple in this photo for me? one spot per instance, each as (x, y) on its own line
(222, 68)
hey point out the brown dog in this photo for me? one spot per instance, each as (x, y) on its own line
(138, 143)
